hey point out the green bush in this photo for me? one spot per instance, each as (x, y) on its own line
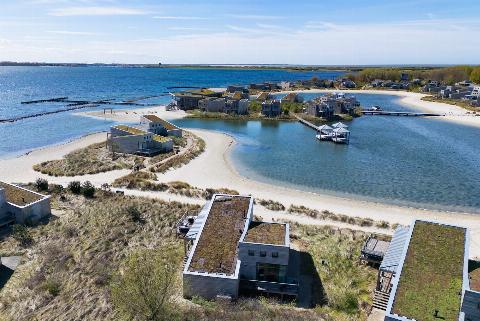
(75, 187)
(88, 190)
(41, 184)
(52, 287)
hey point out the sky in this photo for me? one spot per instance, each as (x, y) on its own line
(316, 32)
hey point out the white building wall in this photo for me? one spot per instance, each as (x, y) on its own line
(31, 213)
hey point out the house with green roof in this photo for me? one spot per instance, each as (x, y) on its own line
(431, 280)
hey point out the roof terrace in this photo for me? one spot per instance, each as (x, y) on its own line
(431, 279)
(266, 233)
(130, 129)
(217, 247)
(19, 196)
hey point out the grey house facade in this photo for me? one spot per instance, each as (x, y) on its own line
(133, 140)
(22, 206)
(231, 252)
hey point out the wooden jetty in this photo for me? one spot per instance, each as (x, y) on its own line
(398, 113)
(51, 100)
(307, 123)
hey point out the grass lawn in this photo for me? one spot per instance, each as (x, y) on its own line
(431, 278)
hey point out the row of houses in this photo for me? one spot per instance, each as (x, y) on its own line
(149, 138)
(401, 85)
(331, 104)
(464, 90)
(425, 273)
(224, 105)
(19, 205)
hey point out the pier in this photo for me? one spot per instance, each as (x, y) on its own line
(307, 123)
(398, 113)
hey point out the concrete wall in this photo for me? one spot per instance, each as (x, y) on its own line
(3, 209)
(31, 213)
(248, 268)
(166, 146)
(209, 286)
(129, 144)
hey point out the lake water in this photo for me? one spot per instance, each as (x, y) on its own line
(421, 162)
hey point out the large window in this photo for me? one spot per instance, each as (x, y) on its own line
(271, 272)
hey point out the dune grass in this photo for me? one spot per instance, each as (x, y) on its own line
(89, 160)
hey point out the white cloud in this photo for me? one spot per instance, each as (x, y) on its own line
(187, 29)
(96, 11)
(179, 18)
(74, 33)
(255, 17)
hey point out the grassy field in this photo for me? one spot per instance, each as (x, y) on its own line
(431, 277)
(89, 160)
(67, 268)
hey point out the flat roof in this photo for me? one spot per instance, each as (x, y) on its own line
(431, 278)
(164, 123)
(266, 233)
(20, 196)
(217, 246)
(130, 129)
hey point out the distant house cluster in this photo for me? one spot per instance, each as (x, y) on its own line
(234, 100)
(430, 261)
(331, 104)
(464, 90)
(149, 138)
(229, 252)
(19, 205)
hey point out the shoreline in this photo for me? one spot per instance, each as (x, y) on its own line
(215, 169)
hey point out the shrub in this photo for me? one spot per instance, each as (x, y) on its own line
(88, 190)
(134, 214)
(41, 184)
(22, 235)
(52, 287)
(75, 187)
(145, 289)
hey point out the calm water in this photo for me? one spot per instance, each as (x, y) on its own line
(407, 161)
(19, 84)
(417, 162)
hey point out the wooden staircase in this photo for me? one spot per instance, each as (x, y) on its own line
(380, 300)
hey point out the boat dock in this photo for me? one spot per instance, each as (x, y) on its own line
(307, 123)
(398, 113)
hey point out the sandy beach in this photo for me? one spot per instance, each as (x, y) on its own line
(214, 169)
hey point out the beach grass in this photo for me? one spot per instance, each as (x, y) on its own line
(92, 159)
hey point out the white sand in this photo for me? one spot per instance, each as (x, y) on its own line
(133, 116)
(213, 169)
(20, 169)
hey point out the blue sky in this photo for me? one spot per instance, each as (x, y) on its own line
(282, 32)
